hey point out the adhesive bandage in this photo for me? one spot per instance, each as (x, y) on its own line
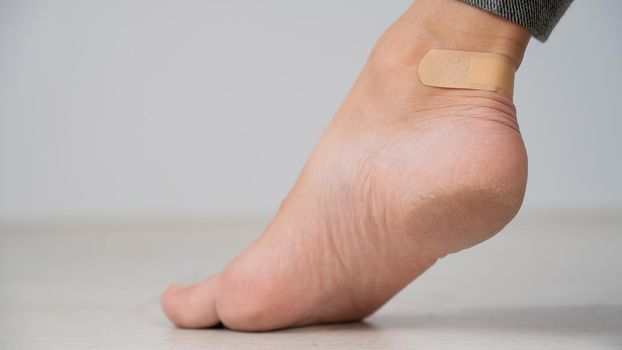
(468, 70)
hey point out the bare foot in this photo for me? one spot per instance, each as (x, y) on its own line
(403, 175)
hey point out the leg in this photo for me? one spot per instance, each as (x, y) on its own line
(403, 175)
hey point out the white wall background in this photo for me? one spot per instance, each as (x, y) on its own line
(123, 109)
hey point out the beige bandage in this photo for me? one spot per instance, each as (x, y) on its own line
(468, 70)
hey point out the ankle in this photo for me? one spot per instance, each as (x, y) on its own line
(452, 25)
(458, 26)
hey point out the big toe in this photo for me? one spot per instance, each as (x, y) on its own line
(192, 306)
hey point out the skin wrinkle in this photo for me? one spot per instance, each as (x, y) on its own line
(311, 260)
(371, 183)
(339, 238)
(334, 225)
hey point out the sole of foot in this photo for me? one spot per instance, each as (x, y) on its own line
(403, 175)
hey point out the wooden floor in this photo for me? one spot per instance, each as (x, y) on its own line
(544, 283)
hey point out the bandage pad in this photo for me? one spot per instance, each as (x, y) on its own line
(468, 70)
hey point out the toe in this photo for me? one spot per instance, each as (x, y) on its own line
(192, 306)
